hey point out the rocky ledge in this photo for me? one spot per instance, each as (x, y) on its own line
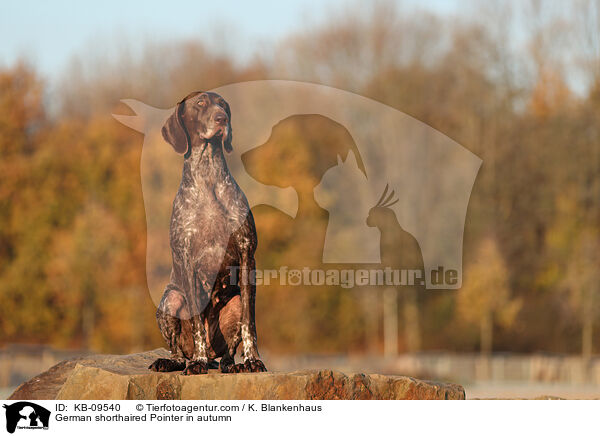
(111, 377)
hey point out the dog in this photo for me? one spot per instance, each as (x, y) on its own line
(206, 311)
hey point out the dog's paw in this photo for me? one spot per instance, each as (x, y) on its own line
(196, 367)
(167, 365)
(232, 368)
(254, 366)
(239, 368)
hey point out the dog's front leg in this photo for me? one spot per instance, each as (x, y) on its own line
(252, 362)
(199, 362)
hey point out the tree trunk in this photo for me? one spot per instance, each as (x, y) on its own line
(88, 317)
(390, 322)
(371, 302)
(486, 345)
(486, 335)
(587, 329)
(412, 330)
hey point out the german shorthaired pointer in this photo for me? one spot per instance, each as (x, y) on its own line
(203, 314)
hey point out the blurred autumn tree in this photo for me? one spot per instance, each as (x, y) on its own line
(21, 128)
(485, 296)
(72, 224)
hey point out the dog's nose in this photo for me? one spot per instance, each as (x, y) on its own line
(220, 118)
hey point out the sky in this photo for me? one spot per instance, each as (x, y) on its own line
(49, 33)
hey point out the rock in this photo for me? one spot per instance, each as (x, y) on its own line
(112, 377)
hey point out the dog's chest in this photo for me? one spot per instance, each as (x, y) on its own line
(207, 215)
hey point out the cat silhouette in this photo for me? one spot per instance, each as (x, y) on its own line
(342, 193)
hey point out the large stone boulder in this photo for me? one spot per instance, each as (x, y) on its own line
(111, 377)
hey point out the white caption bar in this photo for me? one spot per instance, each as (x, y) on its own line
(290, 417)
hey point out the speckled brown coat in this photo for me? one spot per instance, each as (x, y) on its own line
(203, 314)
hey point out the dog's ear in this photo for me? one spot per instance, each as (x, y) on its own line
(229, 136)
(174, 130)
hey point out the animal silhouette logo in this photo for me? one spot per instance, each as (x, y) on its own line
(397, 245)
(348, 239)
(432, 175)
(26, 415)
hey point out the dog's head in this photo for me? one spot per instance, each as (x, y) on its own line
(205, 115)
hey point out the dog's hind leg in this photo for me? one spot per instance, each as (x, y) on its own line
(228, 365)
(171, 309)
(229, 326)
